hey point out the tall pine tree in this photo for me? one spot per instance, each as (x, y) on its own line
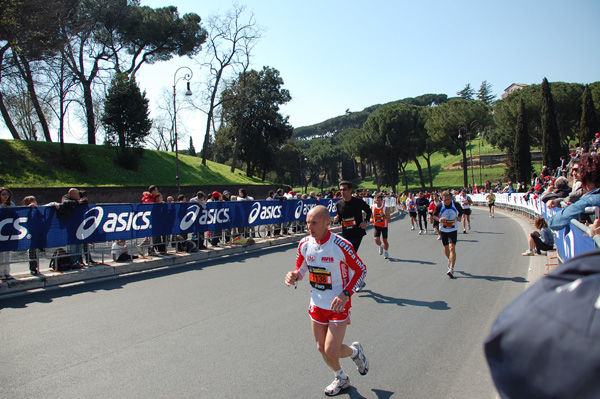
(467, 93)
(551, 149)
(126, 113)
(589, 119)
(485, 93)
(522, 154)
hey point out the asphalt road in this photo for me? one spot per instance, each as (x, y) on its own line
(232, 329)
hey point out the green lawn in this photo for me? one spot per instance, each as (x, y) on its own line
(39, 164)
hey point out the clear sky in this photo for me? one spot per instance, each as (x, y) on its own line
(335, 55)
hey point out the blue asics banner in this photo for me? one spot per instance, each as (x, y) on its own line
(24, 228)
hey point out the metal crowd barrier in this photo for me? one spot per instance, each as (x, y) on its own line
(100, 252)
(533, 208)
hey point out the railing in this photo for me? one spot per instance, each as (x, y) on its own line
(31, 235)
(570, 241)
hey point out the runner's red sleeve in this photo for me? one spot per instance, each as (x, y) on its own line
(356, 264)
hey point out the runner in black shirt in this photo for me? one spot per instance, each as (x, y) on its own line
(350, 215)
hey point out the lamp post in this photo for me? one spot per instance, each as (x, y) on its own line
(188, 92)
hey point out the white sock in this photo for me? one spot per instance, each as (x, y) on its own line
(340, 373)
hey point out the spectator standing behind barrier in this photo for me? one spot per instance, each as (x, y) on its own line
(64, 210)
(589, 172)
(86, 246)
(215, 234)
(148, 197)
(199, 199)
(5, 202)
(34, 261)
(542, 240)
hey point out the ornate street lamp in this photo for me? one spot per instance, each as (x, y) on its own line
(188, 92)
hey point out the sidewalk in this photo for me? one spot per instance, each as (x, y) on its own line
(24, 281)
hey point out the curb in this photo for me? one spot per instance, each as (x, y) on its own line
(25, 282)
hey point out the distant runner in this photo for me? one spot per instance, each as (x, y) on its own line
(335, 272)
(465, 203)
(380, 220)
(491, 199)
(448, 213)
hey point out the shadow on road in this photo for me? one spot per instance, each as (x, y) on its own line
(491, 278)
(379, 298)
(421, 262)
(354, 394)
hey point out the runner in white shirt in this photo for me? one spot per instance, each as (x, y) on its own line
(448, 213)
(465, 203)
(335, 272)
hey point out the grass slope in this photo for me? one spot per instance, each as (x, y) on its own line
(39, 164)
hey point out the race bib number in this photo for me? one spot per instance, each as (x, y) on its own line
(320, 279)
(350, 222)
(421, 208)
(449, 223)
(379, 218)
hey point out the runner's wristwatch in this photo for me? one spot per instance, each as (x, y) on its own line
(346, 292)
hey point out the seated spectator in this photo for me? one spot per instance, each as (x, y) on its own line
(170, 199)
(589, 173)
(181, 198)
(542, 240)
(270, 195)
(120, 252)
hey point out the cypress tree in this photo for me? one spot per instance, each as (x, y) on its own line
(550, 135)
(589, 119)
(192, 149)
(522, 155)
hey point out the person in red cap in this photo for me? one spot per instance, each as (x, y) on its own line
(596, 143)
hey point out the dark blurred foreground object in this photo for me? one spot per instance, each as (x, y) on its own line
(546, 343)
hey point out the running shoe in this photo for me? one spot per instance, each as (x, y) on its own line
(469, 227)
(464, 231)
(490, 215)
(425, 231)
(439, 238)
(420, 232)
(412, 227)
(337, 385)
(450, 272)
(362, 364)
(529, 252)
(386, 255)
(380, 250)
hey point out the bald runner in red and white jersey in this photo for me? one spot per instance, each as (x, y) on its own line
(333, 266)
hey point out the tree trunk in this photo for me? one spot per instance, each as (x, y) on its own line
(403, 169)
(89, 110)
(25, 70)
(428, 160)
(209, 116)
(420, 170)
